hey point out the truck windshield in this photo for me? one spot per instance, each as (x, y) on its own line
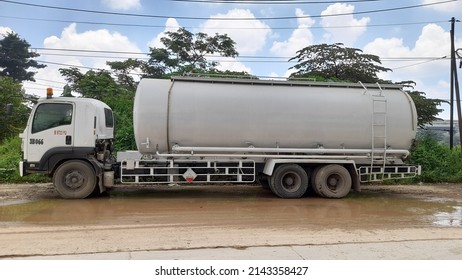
(51, 115)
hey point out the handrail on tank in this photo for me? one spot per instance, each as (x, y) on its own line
(327, 157)
(177, 148)
(278, 82)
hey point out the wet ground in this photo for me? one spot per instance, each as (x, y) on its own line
(188, 217)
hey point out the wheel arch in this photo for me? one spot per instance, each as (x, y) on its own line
(271, 164)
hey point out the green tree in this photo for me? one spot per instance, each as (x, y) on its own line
(427, 108)
(67, 91)
(338, 63)
(124, 71)
(92, 84)
(16, 58)
(12, 93)
(187, 52)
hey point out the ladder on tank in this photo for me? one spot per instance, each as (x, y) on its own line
(379, 136)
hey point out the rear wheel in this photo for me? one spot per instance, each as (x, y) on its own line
(75, 179)
(332, 181)
(289, 181)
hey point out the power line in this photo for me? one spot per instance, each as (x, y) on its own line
(89, 51)
(51, 81)
(36, 88)
(223, 28)
(404, 58)
(419, 63)
(254, 59)
(272, 2)
(244, 56)
(223, 18)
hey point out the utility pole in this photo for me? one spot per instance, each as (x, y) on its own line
(454, 85)
(451, 104)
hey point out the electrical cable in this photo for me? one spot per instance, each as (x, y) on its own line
(222, 28)
(273, 2)
(404, 58)
(223, 18)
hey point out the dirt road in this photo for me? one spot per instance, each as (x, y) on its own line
(213, 221)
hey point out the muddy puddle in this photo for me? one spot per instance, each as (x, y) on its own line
(237, 207)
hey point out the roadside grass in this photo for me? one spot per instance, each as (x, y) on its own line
(439, 163)
(10, 155)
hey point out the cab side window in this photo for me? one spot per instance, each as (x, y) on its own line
(109, 117)
(51, 115)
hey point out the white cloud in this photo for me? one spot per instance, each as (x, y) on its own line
(431, 75)
(299, 39)
(250, 35)
(94, 40)
(101, 39)
(347, 36)
(231, 64)
(171, 25)
(122, 4)
(70, 38)
(449, 7)
(433, 42)
(4, 31)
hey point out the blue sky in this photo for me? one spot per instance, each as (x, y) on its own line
(411, 41)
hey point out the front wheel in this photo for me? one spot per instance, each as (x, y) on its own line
(75, 179)
(332, 181)
(289, 181)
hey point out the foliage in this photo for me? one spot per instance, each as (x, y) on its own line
(185, 52)
(16, 59)
(439, 163)
(122, 106)
(124, 69)
(10, 149)
(12, 93)
(92, 84)
(67, 91)
(427, 108)
(337, 62)
(215, 73)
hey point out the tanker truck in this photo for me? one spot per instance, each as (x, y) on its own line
(287, 135)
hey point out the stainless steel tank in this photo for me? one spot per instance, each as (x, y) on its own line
(200, 112)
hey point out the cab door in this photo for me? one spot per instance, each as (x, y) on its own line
(52, 127)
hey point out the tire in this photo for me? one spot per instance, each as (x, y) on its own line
(75, 179)
(332, 181)
(289, 181)
(312, 180)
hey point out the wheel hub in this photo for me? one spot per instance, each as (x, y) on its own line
(333, 181)
(291, 182)
(74, 180)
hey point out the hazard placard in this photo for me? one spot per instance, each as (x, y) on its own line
(189, 175)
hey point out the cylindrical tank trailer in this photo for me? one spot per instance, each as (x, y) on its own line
(227, 113)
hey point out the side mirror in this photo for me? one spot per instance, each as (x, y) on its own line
(9, 109)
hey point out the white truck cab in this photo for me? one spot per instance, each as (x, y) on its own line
(69, 139)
